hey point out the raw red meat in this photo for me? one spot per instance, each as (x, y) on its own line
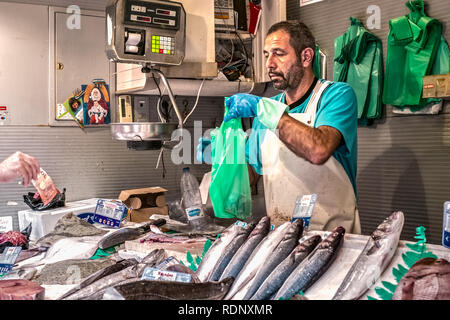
(20, 290)
(14, 237)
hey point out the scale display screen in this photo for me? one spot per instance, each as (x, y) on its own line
(164, 16)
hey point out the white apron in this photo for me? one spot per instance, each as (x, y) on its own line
(287, 176)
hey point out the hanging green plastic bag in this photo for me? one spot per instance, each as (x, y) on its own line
(230, 186)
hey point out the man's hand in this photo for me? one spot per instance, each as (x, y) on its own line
(241, 105)
(19, 165)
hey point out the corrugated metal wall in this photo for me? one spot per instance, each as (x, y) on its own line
(91, 164)
(403, 161)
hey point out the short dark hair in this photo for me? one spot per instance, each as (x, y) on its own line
(300, 35)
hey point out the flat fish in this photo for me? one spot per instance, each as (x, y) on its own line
(287, 244)
(427, 279)
(258, 258)
(168, 290)
(244, 252)
(230, 250)
(133, 271)
(277, 277)
(128, 233)
(312, 268)
(69, 226)
(373, 260)
(210, 258)
(71, 271)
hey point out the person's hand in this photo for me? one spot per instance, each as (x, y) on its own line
(241, 105)
(204, 150)
(19, 165)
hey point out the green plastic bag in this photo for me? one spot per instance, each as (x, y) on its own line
(358, 62)
(413, 43)
(230, 186)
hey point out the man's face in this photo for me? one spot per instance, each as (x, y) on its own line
(282, 64)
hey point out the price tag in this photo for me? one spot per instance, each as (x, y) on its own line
(8, 259)
(164, 275)
(6, 224)
(110, 212)
(304, 208)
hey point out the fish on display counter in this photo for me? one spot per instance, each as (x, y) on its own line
(210, 258)
(284, 248)
(168, 290)
(230, 250)
(96, 289)
(120, 265)
(257, 259)
(123, 234)
(277, 277)
(15, 239)
(20, 289)
(427, 279)
(311, 268)
(244, 252)
(373, 260)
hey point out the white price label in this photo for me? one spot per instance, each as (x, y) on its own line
(6, 224)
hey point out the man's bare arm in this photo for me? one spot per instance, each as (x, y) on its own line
(316, 145)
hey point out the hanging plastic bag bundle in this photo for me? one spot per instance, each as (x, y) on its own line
(230, 187)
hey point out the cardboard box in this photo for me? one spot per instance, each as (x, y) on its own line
(436, 86)
(145, 202)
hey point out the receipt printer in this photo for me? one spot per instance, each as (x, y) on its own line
(145, 31)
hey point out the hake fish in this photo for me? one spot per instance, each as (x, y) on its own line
(97, 288)
(312, 268)
(128, 233)
(257, 259)
(287, 244)
(277, 277)
(244, 252)
(373, 260)
(210, 258)
(230, 250)
(168, 290)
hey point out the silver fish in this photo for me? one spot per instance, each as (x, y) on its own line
(257, 259)
(244, 252)
(230, 250)
(373, 260)
(210, 258)
(277, 277)
(287, 244)
(132, 272)
(312, 268)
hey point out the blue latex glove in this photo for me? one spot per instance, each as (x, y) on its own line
(204, 150)
(244, 105)
(241, 105)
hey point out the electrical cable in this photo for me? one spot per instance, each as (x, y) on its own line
(196, 101)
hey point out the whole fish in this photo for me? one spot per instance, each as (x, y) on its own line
(101, 274)
(310, 269)
(373, 260)
(168, 290)
(277, 277)
(243, 253)
(287, 244)
(128, 233)
(133, 271)
(258, 258)
(210, 258)
(230, 250)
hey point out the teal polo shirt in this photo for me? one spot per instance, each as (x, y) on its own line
(337, 108)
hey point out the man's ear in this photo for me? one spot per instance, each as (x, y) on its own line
(307, 57)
